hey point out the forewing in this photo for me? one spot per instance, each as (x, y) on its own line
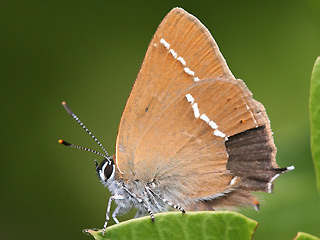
(181, 53)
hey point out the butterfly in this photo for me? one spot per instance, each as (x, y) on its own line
(191, 136)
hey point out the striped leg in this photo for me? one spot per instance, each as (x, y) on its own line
(112, 198)
(133, 195)
(114, 215)
(152, 200)
(164, 200)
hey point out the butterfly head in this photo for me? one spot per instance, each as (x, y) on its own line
(105, 170)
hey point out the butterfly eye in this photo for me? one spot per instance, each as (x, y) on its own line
(105, 170)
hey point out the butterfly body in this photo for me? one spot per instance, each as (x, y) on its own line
(128, 201)
(191, 136)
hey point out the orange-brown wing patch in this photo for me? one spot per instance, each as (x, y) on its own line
(182, 148)
(181, 53)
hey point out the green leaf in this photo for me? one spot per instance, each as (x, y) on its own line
(305, 236)
(314, 105)
(175, 225)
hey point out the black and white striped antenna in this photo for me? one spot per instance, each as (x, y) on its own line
(106, 155)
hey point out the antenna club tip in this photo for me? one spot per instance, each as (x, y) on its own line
(65, 143)
(256, 205)
(255, 202)
(67, 108)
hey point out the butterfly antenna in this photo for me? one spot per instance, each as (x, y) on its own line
(67, 108)
(82, 148)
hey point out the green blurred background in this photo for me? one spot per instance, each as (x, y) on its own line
(88, 53)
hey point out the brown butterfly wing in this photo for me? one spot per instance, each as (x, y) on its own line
(163, 136)
(162, 78)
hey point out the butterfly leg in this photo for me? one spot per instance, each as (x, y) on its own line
(112, 198)
(114, 214)
(133, 195)
(152, 200)
(164, 200)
